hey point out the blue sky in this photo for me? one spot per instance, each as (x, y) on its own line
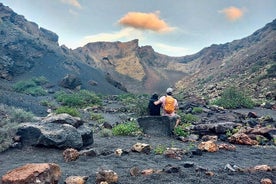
(171, 27)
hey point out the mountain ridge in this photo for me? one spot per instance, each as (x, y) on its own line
(28, 50)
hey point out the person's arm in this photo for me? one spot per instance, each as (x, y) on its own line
(176, 105)
(157, 102)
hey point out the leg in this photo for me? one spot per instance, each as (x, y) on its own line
(177, 120)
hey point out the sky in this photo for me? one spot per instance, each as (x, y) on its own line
(171, 27)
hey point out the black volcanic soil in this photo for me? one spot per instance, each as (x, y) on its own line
(244, 157)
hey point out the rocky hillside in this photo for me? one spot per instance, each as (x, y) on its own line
(27, 50)
(248, 64)
(139, 69)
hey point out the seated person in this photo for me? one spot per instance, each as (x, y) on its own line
(169, 105)
(154, 110)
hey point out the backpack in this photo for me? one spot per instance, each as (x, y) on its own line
(169, 104)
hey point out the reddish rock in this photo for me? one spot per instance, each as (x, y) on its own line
(266, 181)
(43, 173)
(108, 176)
(209, 146)
(76, 180)
(242, 138)
(229, 147)
(141, 148)
(262, 168)
(70, 154)
(147, 172)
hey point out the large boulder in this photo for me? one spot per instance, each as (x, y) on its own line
(60, 132)
(50, 135)
(214, 128)
(157, 125)
(42, 173)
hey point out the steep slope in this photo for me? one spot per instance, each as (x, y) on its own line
(247, 64)
(27, 51)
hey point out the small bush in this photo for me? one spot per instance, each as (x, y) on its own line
(105, 132)
(232, 98)
(80, 99)
(31, 87)
(271, 71)
(182, 130)
(46, 103)
(19, 116)
(159, 150)
(10, 118)
(97, 117)
(197, 110)
(69, 110)
(137, 104)
(188, 118)
(129, 128)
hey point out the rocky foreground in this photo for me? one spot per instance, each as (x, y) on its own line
(223, 146)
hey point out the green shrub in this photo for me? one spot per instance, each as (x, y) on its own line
(19, 115)
(159, 150)
(232, 98)
(105, 132)
(31, 87)
(271, 71)
(182, 130)
(9, 123)
(188, 118)
(40, 80)
(129, 128)
(69, 110)
(80, 99)
(197, 110)
(96, 117)
(137, 104)
(47, 103)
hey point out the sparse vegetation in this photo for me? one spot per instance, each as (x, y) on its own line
(128, 128)
(105, 132)
(10, 118)
(182, 130)
(188, 118)
(197, 110)
(96, 117)
(79, 99)
(271, 71)
(232, 98)
(31, 87)
(159, 149)
(69, 110)
(135, 103)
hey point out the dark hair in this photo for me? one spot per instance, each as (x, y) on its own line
(169, 93)
(154, 96)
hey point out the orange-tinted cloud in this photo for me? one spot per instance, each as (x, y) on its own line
(232, 13)
(149, 21)
(74, 3)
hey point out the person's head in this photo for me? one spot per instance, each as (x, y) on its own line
(169, 91)
(154, 96)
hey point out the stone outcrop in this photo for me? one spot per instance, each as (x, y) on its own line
(107, 176)
(43, 173)
(141, 148)
(157, 125)
(56, 131)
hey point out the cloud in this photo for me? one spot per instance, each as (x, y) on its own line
(149, 21)
(171, 50)
(122, 35)
(232, 13)
(74, 3)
